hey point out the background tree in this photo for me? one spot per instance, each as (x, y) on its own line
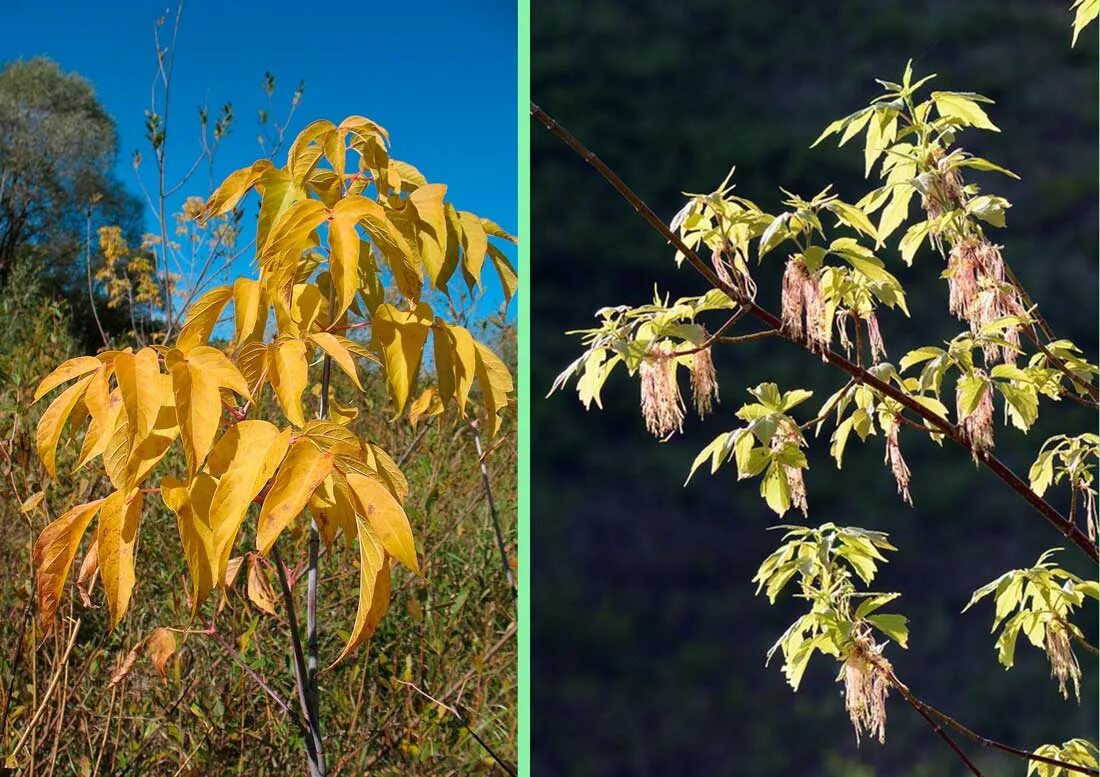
(58, 147)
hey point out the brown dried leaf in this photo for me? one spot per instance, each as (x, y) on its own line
(89, 568)
(161, 645)
(259, 589)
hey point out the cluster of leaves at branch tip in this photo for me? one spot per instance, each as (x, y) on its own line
(838, 287)
(842, 622)
(1079, 752)
(329, 240)
(1037, 602)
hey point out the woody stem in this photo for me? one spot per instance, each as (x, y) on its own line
(942, 425)
(928, 711)
(314, 751)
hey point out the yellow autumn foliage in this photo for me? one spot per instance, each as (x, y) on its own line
(331, 232)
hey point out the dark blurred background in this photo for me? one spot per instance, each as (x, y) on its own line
(648, 644)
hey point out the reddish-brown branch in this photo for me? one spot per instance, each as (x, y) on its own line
(737, 316)
(234, 411)
(1010, 478)
(749, 337)
(928, 711)
(349, 327)
(939, 731)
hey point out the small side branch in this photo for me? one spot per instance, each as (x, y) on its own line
(929, 712)
(461, 719)
(1061, 365)
(938, 730)
(280, 702)
(493, 510)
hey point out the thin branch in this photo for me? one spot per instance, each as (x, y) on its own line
(161, 152)
(829, 408)
(928, 710)
(749, 337)
(15, 669)
(1010, 478)
(493, 510)
(711, 339)
(280, 702)
(505, 765)
(311, 581)
(939, 731)
(88, 266)
(1061, 365)
(1091, 648)
(415, 442)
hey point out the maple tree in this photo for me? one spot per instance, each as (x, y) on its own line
(834, 289)
(339, 248)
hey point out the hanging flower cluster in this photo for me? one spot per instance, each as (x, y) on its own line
(874, 335)
(897, 463)
(1089, 496)
(977, 425)
(662, 405)
(944, 190)
(979, 295)
(867, 683)
(803, 306)
(783, 437)
(704, 381)
(1063, 661)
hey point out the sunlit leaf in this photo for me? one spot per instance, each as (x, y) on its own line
(202, 316)
(116, 537)
(54, 551)
(374, 587)
(197, 378)
(386, 517)
(399, 337)
(73, 368)
(495, 383)
(337, 347)
(301, 472)
(53, 420)
(287, 372)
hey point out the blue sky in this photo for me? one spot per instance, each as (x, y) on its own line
(441, 77)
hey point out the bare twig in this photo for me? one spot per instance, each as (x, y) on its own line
(493, 510)
(505, 765)
(88, 267)
(15, 668)
(939, 731)
(280, 702)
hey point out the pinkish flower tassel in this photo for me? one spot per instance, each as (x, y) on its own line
(874, 335)
(978, 426)
(662, 406)
(897, 462)
(704, 382)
